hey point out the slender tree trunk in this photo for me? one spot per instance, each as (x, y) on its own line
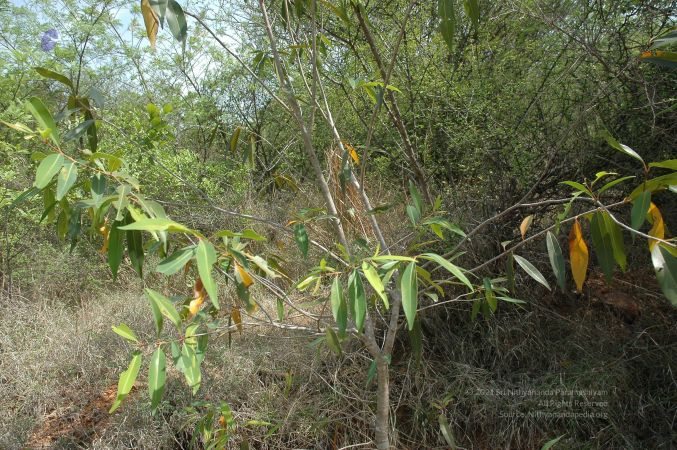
(382, 428)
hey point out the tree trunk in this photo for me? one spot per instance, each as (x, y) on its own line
(382, 432)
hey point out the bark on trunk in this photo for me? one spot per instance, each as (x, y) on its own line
(382, 432)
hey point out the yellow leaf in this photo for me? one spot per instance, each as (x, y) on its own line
(194, 306)
(352, 152)
(237, 318)
(104, 232)
(578, 254)
(658, 228)
(526, 223)
(244, 275)
(151, 20)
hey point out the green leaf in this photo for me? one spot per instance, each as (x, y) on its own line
(122, 201)
(413, 213)
(135, 247)
(127, 379)
(357, 299)
(333, 342)
(126, 332)
(234, 138)
(640, 206)
(43, 117)
(301, 238)
(532, 271)
(191, 367)
(160, 8)
(453, 269)
(157, 374)
(578, 186)
(665, 265)
(668, 164)
(622, 148)
(655, 184)
(205, 255)
(157, 224)
(613, 183)
(472, 10)
(66, 179)
(444, 224)
(447, 15)
(556, 260)
(551, 443)
(603, 247)
(176, 21)
(489, 295)
(616, 237)
(446, 431)
(409, 289)
(392, 258)
(165, 307)
(339, 307)
(175, 262)
(157, 314)
(375, 281)
(48, 167)
(115, 248)
(55, 76)
(78, 131)
(416, 198)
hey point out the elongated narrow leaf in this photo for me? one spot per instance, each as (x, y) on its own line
(472, 10)
(48, 167)
(409, 290)
(157, 374)
(447, 15)
(66, 179)
(526, 223)
(602, 243)
(489, 295)
(205, 256)
(175, 262)
(234, 139)
(640, 206)
(165, 306)
(44, 119)
(191, 367)
(357, 299)
(452, 268)
(151, 21)
(532, 271)
(416, 198)
(126, 332)
(654, 184)
(617, 243)
(157, 314)
(55, 76)
(375, 281)
(665, 265)
(135, 247)
(176, 21)
(333, 342)
(78, 131)
(157, 224)
(127, 379)
(623, 148)
(556, 260)
(301, 238)
(668, 164)
(578, 255)
(551, 443)
(446, 431)
(613, 183)
(339, 307)
(658, 228)
(115, 248)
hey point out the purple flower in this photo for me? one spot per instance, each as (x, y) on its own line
(49, 39)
